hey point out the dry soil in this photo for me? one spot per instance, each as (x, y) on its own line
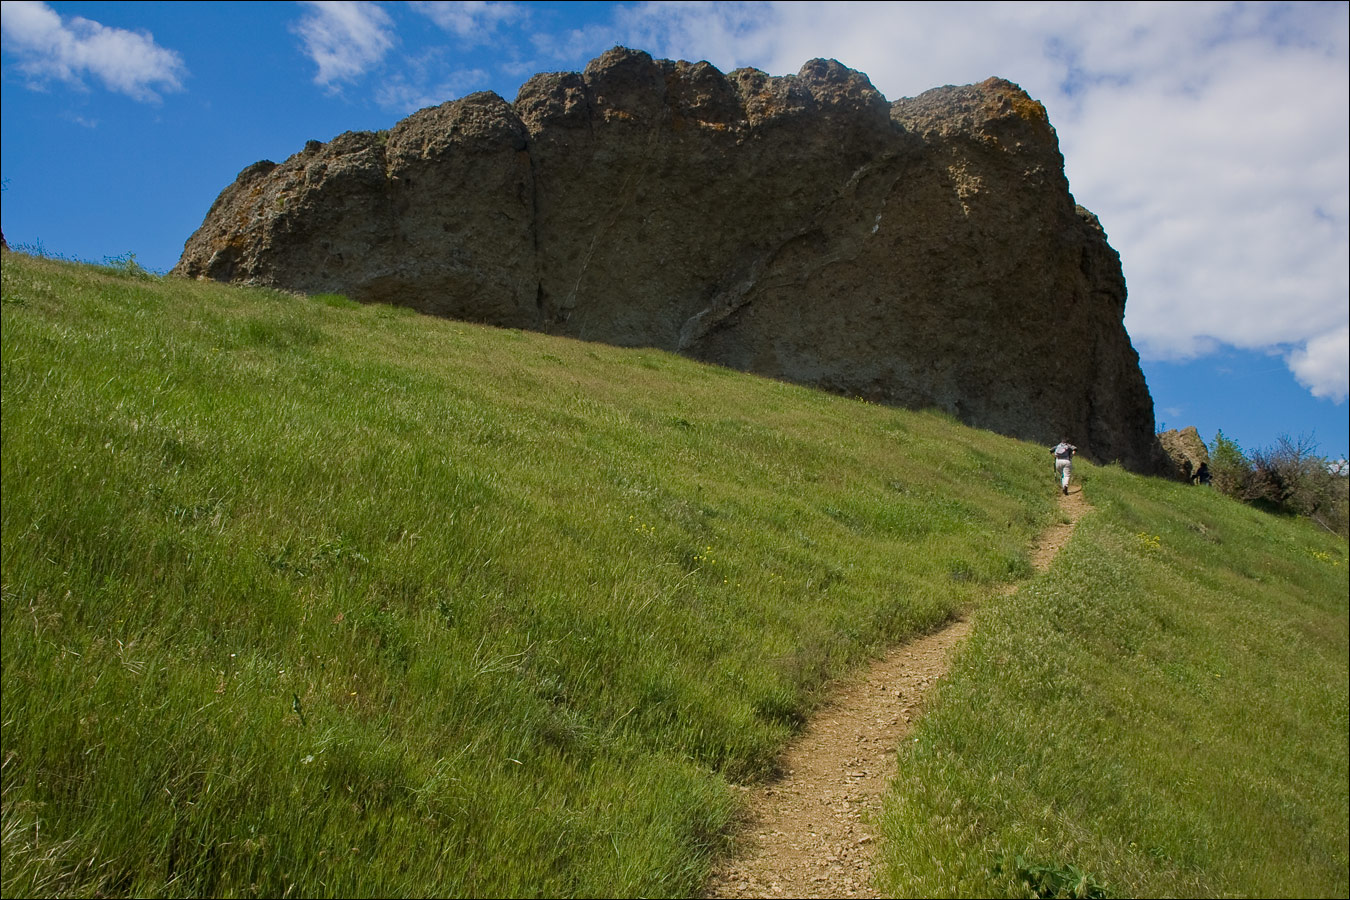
(809, 833)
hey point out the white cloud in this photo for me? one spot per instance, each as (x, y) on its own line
(1210, 139)
(728, 35)
(1225, 189)
(345, 39)
(472, 20)
(1320, 365)
(48, 46)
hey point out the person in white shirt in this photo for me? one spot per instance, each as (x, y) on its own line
(1064, 452)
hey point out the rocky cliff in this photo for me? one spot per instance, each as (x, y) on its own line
(922, 253)
(1186, 452)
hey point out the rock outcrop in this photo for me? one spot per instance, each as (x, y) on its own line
(921, 253)
(1186, 452)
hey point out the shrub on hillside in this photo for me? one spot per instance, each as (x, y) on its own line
(1230, 470)
(1288, 477)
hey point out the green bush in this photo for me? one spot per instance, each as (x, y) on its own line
(1229, 468)
(1288, 477)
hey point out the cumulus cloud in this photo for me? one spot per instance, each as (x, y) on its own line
(1320, 364)
(345, 39)
(1210, 139)
(46, 45)
(1223, 183)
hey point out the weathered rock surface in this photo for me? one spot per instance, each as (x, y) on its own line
(1186, 452)
(922, 253)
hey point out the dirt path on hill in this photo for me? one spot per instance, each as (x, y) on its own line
(809, 833)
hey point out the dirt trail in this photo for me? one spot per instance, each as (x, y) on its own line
(809, 833)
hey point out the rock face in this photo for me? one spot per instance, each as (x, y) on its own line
(1186, 452)
(921, 253)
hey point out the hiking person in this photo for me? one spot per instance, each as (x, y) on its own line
(1064, 452)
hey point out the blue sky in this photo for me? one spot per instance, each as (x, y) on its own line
(1211, 139)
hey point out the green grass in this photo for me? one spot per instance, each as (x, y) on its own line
(314, 599)
(1163, 714)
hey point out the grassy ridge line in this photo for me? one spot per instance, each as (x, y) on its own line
(304, 598)
(1163, 714)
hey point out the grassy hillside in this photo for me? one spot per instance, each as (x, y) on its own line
(1163, 714)
(304, 598)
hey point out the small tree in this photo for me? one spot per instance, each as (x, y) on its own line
(1286, 475)
(1297, 480)
(1229, 469)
